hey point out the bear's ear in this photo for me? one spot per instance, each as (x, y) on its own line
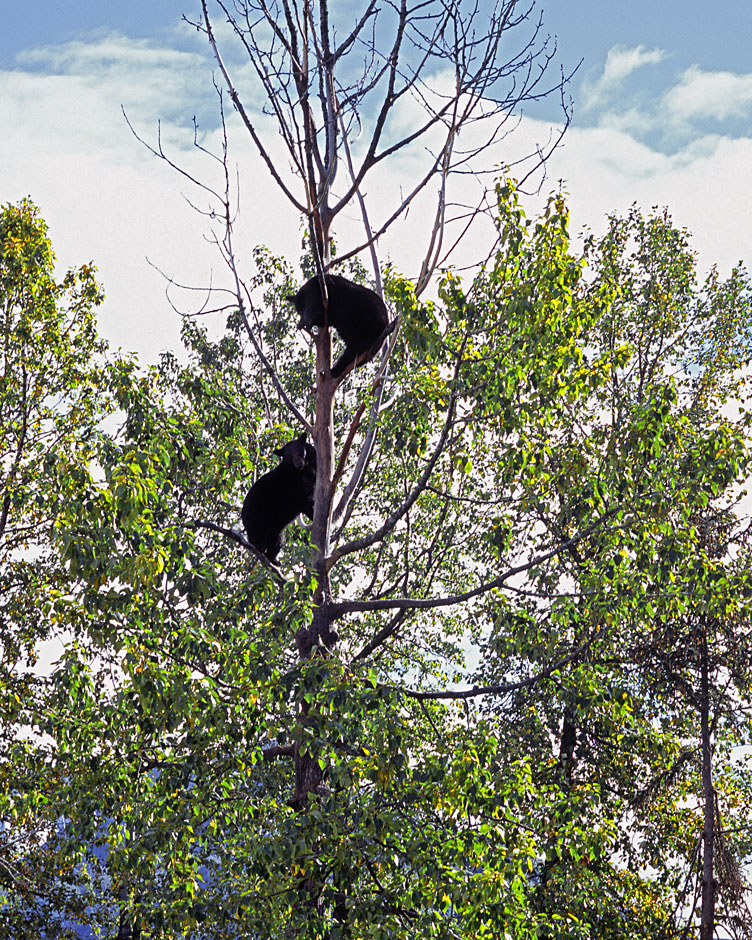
(302, 437)
(291, 298)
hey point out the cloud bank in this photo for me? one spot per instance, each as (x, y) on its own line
(65, 143)
(620, 63)
(716, 95)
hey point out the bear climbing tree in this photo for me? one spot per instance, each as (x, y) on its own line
(280, 495)
(327, 76)
(317, 123)
(357, 313)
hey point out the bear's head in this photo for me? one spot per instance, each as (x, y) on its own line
(297, 453)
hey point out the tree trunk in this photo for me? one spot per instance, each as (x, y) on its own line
(128, 929)
(707, 925)
(319, 639)
(568, 745)
(565, 765)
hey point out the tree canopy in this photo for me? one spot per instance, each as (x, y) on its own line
(540, 593)
(499, 686)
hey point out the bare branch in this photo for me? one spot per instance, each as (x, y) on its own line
(387, 631)
(344, 47)
(408, 603)
(238, 537)
(278, 750)
(267, 364)
(241, 287)
(504, 688)
(376, 267)
(366, 450)
(158, 151)
(359, 544)
(264, 154)
(302, 61)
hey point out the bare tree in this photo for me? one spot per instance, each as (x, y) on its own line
(440, 81)
(337, 87)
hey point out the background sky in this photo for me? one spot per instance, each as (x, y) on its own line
(662, 117)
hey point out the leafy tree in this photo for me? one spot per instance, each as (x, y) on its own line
(51, 400)
(211, 712)
(432, 812)
(533, 471)
(654, 707)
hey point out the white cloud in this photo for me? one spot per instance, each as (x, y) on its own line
(141, 76)
(64, 142)
(717, 95)
(105, 51)
(670, 117)
(621, 62)
(607, 170)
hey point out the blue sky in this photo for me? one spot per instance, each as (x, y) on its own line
(717, 38)
(663, 116)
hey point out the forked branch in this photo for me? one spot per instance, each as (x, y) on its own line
(429, 603)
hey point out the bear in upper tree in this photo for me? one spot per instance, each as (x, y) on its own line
(357, 313)
(278, 496)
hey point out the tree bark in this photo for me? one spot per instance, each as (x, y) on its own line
(707, 925)
(128, 929)
(319, 637)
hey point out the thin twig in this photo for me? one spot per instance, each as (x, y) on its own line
(411, 603)
(504, 688)
(238, 537)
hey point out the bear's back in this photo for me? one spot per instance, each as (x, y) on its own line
(356, 312)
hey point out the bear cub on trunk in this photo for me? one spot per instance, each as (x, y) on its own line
(278, 496)
(357, 313)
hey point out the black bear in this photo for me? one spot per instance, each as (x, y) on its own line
(358, 314)
(278, 496)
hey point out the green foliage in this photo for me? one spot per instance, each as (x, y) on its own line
(648, 468)
(52, 396)
(557, 467)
